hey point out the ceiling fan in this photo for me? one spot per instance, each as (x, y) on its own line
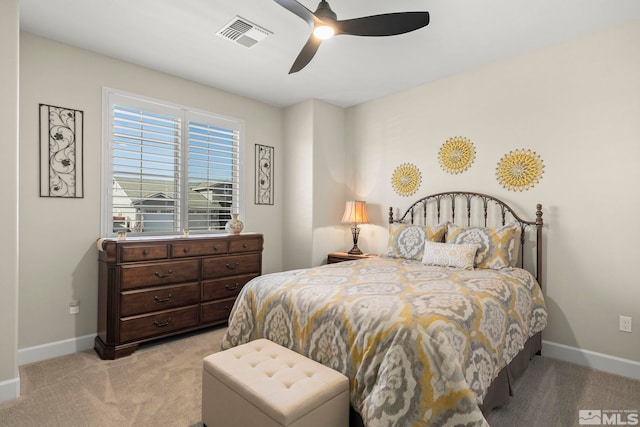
(326, 24)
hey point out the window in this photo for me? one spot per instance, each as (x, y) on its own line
(168, 168)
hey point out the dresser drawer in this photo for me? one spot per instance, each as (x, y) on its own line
(195, 248)
(245, 245)
(216, 311)
(224, 288)
(138, 327)
(143, 252)
(160, 273)
(158, 298)
(236, 265)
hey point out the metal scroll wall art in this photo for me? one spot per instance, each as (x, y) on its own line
(61, 138)
(264, 175)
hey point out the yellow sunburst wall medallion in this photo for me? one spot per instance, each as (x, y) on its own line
(519, 170)
(406, 179)
(457, 154)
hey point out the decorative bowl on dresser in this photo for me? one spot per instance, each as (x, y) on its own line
(155, 287)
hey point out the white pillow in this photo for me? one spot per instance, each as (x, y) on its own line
(450, 254)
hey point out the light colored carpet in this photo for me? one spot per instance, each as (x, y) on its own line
(551, 392)
(160, 385)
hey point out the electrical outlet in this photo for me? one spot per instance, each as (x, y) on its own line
(625, 323)
(74, 307)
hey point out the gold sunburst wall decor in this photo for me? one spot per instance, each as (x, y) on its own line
(457, 154)
(519, 170)
(406, 179)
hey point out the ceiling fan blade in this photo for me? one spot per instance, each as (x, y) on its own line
(294, 7)
(388, 24)
(306, 54)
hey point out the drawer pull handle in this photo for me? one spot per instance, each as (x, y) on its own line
(162, 324)
(232, 287)
(233, 267)
(215, 249)
(164, 276)
(226, 307)
(145, 252)
(244, 245)
(168, 298)
(186, 250)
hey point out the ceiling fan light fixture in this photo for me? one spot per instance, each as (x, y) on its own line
(324, 32)
(325, 24)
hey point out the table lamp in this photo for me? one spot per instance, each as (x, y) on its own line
(355, 213)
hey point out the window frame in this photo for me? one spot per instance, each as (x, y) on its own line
(187, 114)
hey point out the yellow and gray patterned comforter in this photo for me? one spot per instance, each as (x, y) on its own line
(420, 344)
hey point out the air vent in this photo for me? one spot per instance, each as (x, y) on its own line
(243, 32)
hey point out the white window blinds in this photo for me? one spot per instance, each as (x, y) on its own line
(170, 168)
(213, 175)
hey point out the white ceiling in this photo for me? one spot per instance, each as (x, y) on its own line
(179, 37)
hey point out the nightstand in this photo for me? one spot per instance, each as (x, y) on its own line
(343, 256)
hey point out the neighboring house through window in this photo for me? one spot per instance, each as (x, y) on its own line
(168, 167)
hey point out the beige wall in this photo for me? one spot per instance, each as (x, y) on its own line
(329, 188)
(298, 199)
(314, 183)
(577, 105)
(58, 255)
(9, 67)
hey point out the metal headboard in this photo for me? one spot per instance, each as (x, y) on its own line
(478, 210)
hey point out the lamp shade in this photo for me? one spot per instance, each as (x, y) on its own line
(355, 212)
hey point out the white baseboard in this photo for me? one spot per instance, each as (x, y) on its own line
(55, 349)
(591, 359)
(9, 389)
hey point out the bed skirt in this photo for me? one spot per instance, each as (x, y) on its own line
(502, 386)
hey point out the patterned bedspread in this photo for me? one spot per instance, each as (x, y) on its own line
(420, 344)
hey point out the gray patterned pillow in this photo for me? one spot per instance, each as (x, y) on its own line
(407, 241)
(498, 246)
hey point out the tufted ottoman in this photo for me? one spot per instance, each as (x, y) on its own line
(262, 384)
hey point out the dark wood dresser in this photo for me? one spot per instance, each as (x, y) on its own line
(151, 288)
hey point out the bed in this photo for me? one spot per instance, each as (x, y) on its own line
(432, 332)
